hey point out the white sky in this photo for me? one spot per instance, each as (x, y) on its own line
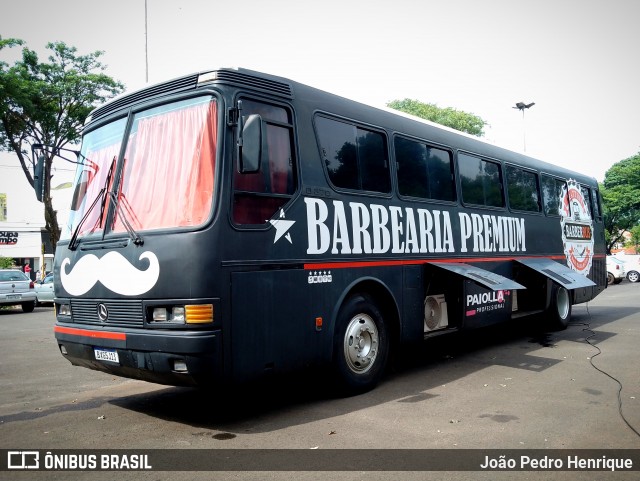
(578, 60)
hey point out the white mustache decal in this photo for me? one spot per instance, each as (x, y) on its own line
(113, 271)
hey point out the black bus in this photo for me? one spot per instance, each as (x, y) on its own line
(231, 223)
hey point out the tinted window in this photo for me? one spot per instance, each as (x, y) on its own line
(522, 187)
(552, 190)
(480, 181)
(586, 193)
(424, 171)
(596, 203)
(355, 158)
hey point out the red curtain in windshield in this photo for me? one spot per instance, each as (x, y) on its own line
(93, 178)
(169, 169)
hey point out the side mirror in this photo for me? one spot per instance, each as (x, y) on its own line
(251, 148)
(38, 171)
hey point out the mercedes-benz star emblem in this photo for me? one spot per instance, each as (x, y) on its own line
(103, 312)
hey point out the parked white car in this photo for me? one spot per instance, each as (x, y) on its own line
(44, 290)
(615, 270)
(16, 288)
(631, 266)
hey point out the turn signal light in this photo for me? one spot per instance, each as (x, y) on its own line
(199, 313)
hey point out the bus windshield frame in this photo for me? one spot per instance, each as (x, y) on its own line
(162, 155)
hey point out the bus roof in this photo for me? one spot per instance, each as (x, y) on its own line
(391, 120)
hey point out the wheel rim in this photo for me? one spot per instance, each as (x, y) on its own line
(633, 276)
(361, 343)
(564, 304)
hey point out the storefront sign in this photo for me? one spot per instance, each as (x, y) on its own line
(8, 238)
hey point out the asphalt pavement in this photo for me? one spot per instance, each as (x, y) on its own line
(511, 387)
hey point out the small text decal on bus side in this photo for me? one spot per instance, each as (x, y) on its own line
(577, 228)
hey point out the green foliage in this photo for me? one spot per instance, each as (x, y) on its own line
(456, 119)
(47, 103)
(621, 195)
(5, 262)
(634, 241)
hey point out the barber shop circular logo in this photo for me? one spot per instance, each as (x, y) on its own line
(577, 228)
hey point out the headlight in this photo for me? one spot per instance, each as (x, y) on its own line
(64, 309)
(168, 314)
(189, 314)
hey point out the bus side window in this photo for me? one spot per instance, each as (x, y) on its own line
(355, 158)
(259, 195)
(597, 210)
(586, 193)
(552, 190)
(481, 181)
(522, 187)
(424, 172)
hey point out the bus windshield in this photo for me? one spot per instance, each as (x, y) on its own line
(167, 177)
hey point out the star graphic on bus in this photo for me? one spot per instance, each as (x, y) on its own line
(282, 227)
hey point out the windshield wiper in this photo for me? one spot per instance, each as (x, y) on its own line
(135, 237)
(74, 242)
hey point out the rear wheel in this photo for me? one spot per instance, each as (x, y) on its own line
(360, 346)
(610, 278)
(28, 306)
(559, 312)
(633, 276)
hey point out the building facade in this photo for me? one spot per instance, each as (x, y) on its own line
(23, 237)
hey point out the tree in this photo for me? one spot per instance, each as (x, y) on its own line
(456, 119)
(47, 103)
(634, 241)
(621, 195)
(6, 262)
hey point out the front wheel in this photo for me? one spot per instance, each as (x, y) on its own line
(633, 276)
(559, 312)
(361, 345)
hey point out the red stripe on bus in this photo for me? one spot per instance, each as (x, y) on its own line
(118, 336)
(409, 262)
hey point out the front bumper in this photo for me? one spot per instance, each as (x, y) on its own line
(149, 355)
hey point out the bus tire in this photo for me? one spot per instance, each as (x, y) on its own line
(559, 312)
(360, 346)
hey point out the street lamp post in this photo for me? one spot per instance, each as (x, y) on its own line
(522, 106)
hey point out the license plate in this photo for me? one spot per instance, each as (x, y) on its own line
(14, 296)
(106, 355)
